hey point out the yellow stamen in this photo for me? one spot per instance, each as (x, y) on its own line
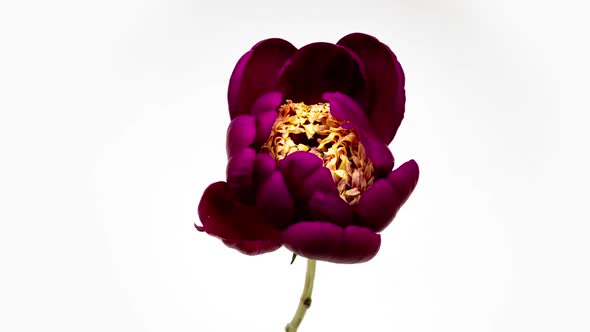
(312, 128)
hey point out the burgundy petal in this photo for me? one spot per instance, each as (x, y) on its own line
(328, 242)
(330, 208)
(386, 81)
(254, 247)
(379, 204)
(256, 73)
(226, 218)
(345, 108)
(240, 134)
(321, 67)
(274, 201)
(240, 172)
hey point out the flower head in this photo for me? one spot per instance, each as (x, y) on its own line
(308, 162)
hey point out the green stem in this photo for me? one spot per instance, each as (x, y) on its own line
(305, 301)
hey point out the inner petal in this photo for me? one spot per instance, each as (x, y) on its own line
(312, 128)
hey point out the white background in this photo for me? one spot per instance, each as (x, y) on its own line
(113, 119)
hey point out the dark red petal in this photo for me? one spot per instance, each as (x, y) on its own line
(328, 242)
(330, 208)
(386, 81)
(240, 173)
(274, 201)
(240, 134)
(224, 217)
(380, 203)
(345, 108)
(318, 68)
(253, 247)
(256, 73)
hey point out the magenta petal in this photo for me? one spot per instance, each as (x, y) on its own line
(264, 165)
(264, 123)
(377, 206)
(305, 174)
(240, 134)
(380, 203)
(274, 201)
(268, 102)
(297, 166)
(240, 171)
(254, 247)
(345, 108)
(386, 81)
(330, 208)
(319, 180)
(328, 242)
(226, 218)
(256, 73)
(320, 67)
(404, 179)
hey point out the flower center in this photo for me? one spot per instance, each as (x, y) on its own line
(312, 128)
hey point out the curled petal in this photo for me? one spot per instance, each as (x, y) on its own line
(328, 242)
(379, 204)
(226, 218)
(274, 201)
(240, 134)
(320, 67)
(345, 108)
(240, 171)
(386, 81)
(330, 208)
(256, 73)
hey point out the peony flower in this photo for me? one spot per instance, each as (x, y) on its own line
(308, 163)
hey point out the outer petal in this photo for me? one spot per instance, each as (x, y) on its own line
(328, 242)
(256, 74)
(253, 247)
(381, 202)
(240, 134)
(318, 68)
(274, 201)
(386, 81)
(226, 218)
(345, 108)
(240, 173)
(265, 111)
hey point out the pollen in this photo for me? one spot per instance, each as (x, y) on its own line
(312, 128)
